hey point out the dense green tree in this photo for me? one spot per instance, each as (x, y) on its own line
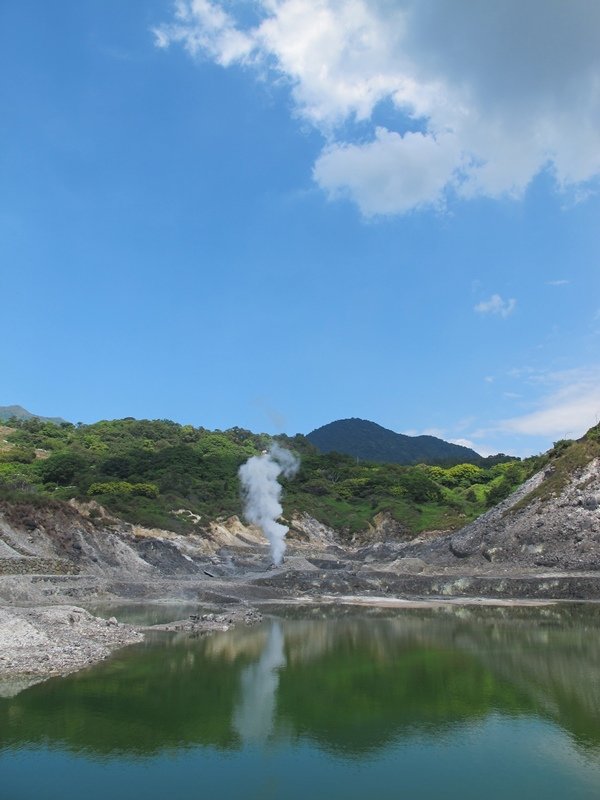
(419, 486)
(62, 468)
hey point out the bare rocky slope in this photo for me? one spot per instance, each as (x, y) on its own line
(552, 522)
(561, 531)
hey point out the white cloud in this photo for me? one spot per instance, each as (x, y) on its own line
(391, 174)
(496, 305)
(484, 101)
(439, 433)
(202, 27)
(483, 449)
(567, 411)
(566, 406)
(462, 442)
(557, 283)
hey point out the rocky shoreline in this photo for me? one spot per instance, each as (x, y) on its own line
(210, 622)
(39, 642)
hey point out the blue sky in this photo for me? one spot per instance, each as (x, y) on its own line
(277, 213)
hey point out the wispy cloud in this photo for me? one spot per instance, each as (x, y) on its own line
(437, 432)
(568, 412)
(483, 449)
(569, 406)
(496, 305)
(518, 96)
(561, 282)
(440, 433)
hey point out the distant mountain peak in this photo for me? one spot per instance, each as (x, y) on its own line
(8, 412)
(369, 441)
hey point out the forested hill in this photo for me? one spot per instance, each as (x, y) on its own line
(162, 474)
(371, 442)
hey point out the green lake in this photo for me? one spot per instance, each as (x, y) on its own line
(445, 703)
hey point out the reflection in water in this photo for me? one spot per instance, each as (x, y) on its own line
(254, 716)
(145, 613)
(480, 691)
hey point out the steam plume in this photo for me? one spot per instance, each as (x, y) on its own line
(261, 492)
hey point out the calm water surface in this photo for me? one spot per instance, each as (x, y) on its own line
(447, 703)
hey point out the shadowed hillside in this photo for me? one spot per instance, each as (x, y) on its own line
(371, 442)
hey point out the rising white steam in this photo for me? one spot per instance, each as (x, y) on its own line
(261, 492)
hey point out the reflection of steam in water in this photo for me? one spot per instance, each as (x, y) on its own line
(254, 715)
(549, 655)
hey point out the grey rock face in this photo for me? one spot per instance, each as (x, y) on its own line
(466, 542)
(561, 532)
(409, 565)
(590, 502)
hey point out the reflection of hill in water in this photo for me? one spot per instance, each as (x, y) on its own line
(352, 684)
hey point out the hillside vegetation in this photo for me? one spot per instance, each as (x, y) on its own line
(162, 474)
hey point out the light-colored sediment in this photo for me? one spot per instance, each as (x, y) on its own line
(401, 602)
(36, 643)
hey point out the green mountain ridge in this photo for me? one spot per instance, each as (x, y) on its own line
(355, 437)
(369, 441)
